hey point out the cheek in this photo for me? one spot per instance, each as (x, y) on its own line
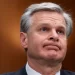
(64, 44)
(35, 46)
(34, 42)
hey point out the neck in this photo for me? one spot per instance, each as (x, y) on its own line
(44, 67)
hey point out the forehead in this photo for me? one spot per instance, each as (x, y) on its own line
(45, 16)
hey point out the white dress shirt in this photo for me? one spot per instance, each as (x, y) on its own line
(31, 71)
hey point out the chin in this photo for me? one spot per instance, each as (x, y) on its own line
(54, 55)
(54, 58)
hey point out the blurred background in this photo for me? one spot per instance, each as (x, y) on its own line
(12, 55)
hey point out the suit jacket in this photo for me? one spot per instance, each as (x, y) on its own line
(23, 72)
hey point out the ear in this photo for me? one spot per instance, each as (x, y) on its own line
(23, 38)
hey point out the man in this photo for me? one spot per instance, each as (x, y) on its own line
(45, 28)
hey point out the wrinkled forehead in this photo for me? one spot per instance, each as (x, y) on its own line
(42, 16)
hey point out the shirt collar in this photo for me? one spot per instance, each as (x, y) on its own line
(31, 71)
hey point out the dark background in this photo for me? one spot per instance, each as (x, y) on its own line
(12, 55)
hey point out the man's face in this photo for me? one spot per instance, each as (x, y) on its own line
(46, 37)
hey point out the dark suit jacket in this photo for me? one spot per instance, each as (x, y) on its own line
(23, 72)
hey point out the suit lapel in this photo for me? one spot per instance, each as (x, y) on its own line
(62, 72)
(22, 71)
(65, 72)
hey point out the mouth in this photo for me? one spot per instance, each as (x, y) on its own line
(52, 47)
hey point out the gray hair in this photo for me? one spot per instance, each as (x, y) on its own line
(25, 19)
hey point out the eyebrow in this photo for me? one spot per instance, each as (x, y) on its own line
(62, 27)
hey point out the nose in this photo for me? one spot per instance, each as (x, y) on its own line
(53, 36)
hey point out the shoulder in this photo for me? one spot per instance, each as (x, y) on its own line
(20, 72)
(66, 72)
(9, 73)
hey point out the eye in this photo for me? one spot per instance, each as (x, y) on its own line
(44, 29)
(60, 31)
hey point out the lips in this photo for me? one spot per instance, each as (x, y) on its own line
(52, 46)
